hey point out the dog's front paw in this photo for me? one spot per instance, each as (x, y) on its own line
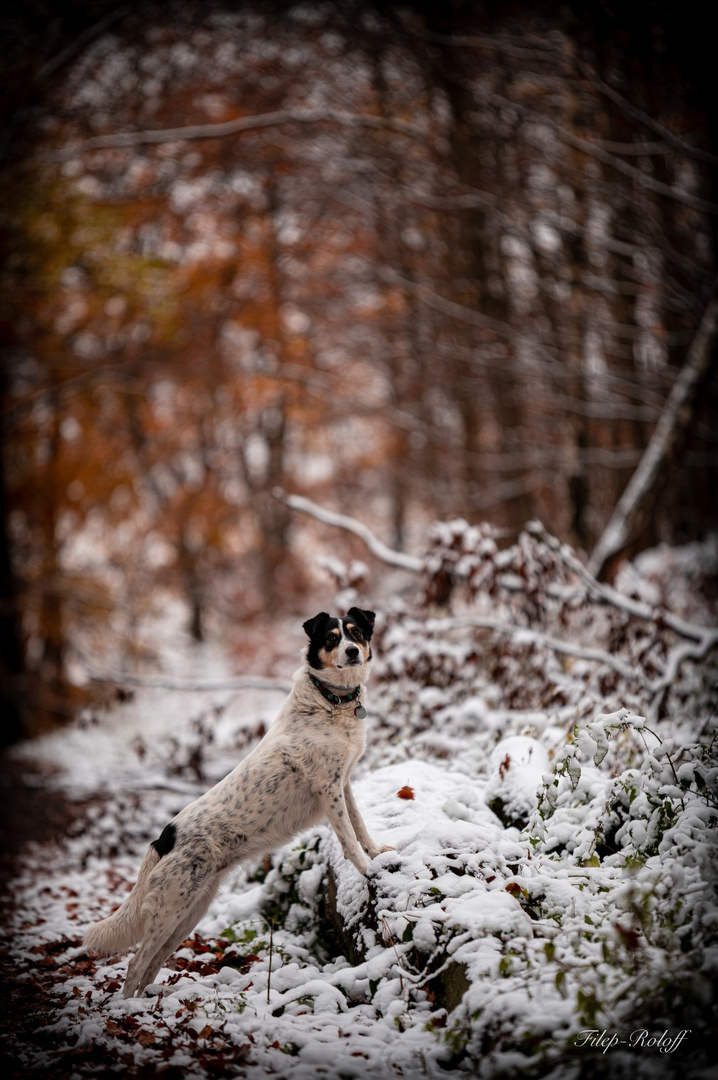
(374, 851)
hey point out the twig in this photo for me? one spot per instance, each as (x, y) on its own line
(668, 756)
(271, 946)
(400, 966)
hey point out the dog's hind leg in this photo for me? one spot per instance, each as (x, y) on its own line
(124, 928)
(172, 923)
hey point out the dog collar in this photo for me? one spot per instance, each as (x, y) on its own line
(327, 691)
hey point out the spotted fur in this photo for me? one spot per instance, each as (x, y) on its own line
(297, 775)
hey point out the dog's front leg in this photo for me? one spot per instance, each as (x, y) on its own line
(335, 807)
(359, 827)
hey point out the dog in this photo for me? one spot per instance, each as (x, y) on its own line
(298, 774)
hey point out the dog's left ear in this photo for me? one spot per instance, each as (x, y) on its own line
(364, 619)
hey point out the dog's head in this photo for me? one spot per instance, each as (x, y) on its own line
(340, 647)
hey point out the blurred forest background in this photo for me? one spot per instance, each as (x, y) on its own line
(412, 260)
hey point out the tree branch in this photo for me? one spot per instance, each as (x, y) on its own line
(618, 532)
(90, 34)
(676, 658)
(535, 637)
(638, 609)
(613, 160)
(634, 113)
(329, 517)
(250, 683)
(238, 127)
(643, 179)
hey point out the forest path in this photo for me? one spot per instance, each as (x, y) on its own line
(32, 813)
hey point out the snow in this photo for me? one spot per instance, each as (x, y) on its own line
(552, 870)
(516, 770)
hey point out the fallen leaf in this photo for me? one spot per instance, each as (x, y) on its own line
(406, 792)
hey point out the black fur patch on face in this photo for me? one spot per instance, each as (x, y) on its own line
(355, 633)
(166, 841)
(364, 620)
(323, 633)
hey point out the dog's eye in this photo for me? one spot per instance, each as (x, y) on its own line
(355, 633)
(332, 640)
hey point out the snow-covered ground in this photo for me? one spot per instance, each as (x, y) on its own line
(541, 758)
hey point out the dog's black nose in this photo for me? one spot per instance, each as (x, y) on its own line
(352, 652)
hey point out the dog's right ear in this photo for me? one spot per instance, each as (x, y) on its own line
(312, 625)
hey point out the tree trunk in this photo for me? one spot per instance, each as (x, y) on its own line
(13, 721)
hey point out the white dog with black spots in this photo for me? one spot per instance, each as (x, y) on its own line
(297, 775)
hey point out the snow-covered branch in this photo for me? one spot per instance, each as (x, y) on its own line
(341, 521)
(704, 638)
(638, 609)
(677, 656)
(534, 637)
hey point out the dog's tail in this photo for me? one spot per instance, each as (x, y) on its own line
(124, 927)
